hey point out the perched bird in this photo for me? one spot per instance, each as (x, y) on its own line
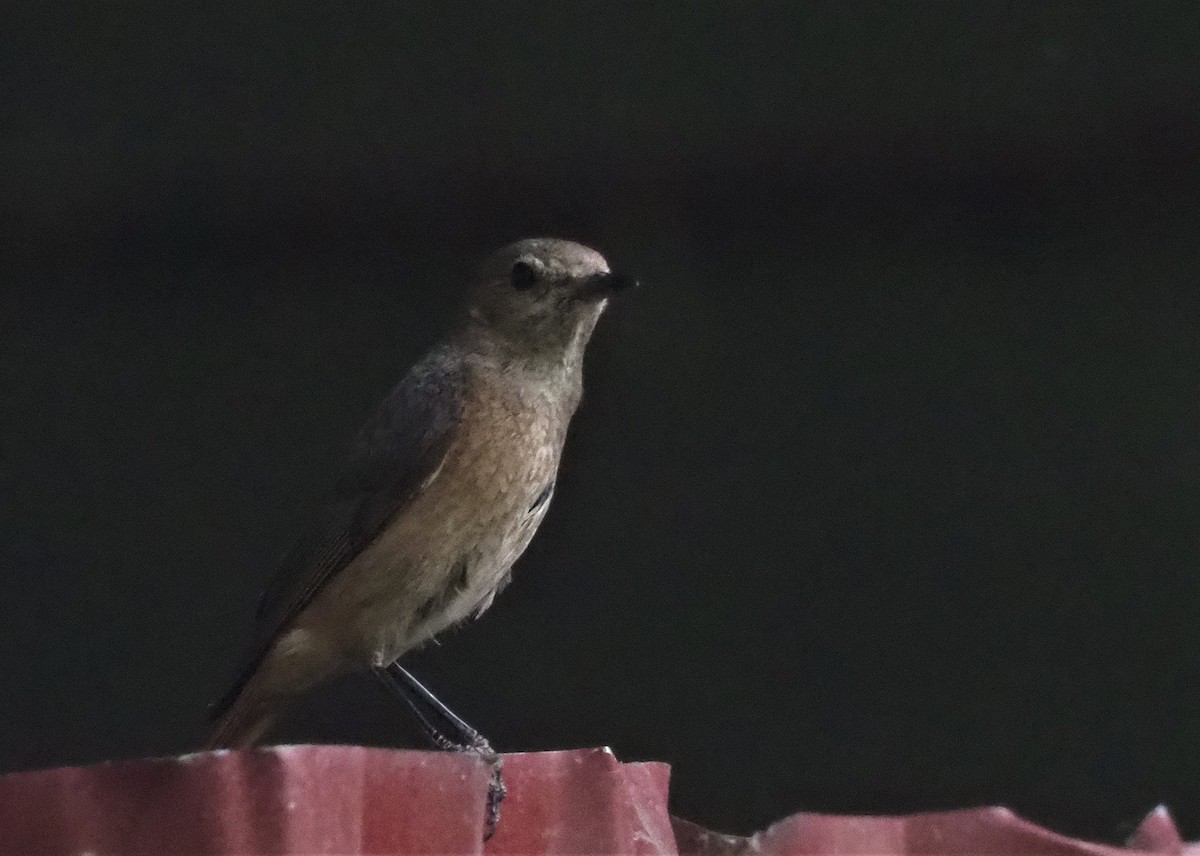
(443, 490)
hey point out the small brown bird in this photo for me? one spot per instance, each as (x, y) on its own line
(444, 488)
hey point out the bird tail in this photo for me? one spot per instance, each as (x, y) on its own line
(243, 716)
(279, 671)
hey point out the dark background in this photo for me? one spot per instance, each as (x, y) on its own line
(883, 494)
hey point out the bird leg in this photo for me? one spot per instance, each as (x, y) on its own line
(469, 738)
(401, 683)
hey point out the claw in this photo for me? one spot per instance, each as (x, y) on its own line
(397, 680)
(496, 794)
(479, 745)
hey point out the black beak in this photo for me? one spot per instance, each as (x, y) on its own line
(603, 285)
(618, 282)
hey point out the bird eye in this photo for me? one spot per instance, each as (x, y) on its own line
(523, 276)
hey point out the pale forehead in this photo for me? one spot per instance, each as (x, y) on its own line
(554, 255)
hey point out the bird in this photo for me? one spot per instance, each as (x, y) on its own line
(441, 492)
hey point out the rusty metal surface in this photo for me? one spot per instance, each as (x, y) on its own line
(352, 800)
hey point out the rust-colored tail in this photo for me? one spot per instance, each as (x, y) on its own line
(243, 716)
(280, 670)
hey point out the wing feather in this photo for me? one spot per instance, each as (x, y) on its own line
(396, 455)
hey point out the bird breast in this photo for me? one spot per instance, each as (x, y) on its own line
(446, 554)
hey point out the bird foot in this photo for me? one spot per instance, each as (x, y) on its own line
(479, 746)
(415, 695)
(497, 791)
(495, 795)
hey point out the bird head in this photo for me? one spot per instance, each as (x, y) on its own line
(543, 295)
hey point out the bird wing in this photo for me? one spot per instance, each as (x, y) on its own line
(395, 456)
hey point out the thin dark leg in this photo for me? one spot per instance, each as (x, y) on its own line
(401, 683)
(430, 730)
(467, 735)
